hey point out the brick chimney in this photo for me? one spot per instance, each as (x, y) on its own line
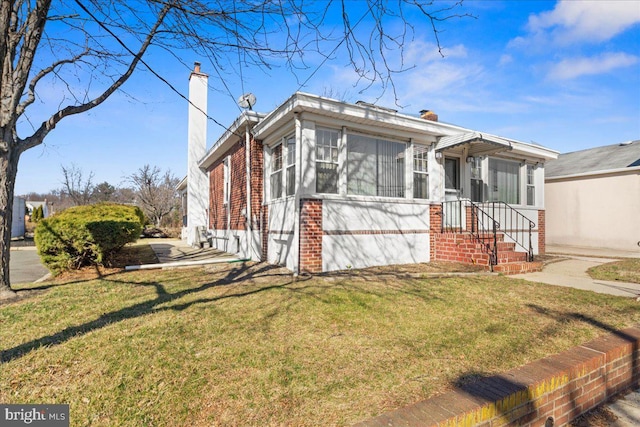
(428, 115)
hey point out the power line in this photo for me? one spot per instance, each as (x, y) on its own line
(349, 32)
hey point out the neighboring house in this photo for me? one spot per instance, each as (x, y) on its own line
(593, 198)
(33, 204)
(320, 185)
(17, 221)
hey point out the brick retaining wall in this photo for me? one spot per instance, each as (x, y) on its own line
(557, 388)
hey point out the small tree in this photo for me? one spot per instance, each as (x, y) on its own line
(104, 192)
(75, 186)
(155, 192)
(38, 214)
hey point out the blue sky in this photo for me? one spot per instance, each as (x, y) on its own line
(564, 74)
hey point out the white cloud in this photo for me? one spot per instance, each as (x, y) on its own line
(505, 59)
(583, 21)
(575, 67)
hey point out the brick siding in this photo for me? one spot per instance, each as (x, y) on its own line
(311, 235)
(238, 191)
(435, 226)
(542, 247)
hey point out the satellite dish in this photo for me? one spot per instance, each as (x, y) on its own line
(248, 100)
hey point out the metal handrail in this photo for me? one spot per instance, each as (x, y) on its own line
(482, 225)
(502, 216)
(515, 225)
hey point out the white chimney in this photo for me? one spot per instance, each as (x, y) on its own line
(197, 182)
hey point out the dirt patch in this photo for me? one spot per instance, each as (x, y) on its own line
(598, 417)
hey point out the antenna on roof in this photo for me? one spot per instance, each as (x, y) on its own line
(248, 100)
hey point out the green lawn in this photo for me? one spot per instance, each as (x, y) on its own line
(247, 344)
(626, 270)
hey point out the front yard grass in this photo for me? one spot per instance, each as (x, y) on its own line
(247, 344)
(626, 270)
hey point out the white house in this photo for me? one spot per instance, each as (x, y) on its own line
(319, 184)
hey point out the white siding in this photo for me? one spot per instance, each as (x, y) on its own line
(348, 241)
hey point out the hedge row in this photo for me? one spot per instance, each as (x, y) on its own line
(86, 235)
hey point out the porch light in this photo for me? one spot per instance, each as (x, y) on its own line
(438, 155)
(469, 159)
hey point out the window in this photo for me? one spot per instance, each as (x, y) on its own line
(477, 185)
(276, 172)
(420, 172)
(531, 186)
(291, 165)
(226, 171)
(504, 181)
(375, 167)
(327, 160)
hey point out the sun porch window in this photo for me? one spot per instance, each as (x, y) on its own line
(375, 167)
(504, 181)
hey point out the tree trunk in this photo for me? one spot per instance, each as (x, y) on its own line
(8, 171)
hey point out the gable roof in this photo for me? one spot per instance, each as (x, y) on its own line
(607, 158)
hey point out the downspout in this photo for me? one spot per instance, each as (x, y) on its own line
(247, 154)
(298, 185)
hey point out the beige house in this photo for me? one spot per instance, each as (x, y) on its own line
(592, 198)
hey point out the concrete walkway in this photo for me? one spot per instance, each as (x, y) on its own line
(176, 253)
(571, 270)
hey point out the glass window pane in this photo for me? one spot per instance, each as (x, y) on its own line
(504, 181)
(276, 185)
(390, 169)
(361, 165)
(291, 180)
(326, 178)
(291, 151)
(420, 186)
(531, 195)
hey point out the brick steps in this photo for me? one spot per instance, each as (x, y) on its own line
(463, 247)
(518, 267)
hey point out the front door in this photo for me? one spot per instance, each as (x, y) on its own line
(452, 211)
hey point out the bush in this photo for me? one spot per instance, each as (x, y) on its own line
(86, 235)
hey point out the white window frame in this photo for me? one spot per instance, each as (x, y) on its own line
(290, 165)
(276, 172)
(530, 172)
(421, 155)
(333, 158)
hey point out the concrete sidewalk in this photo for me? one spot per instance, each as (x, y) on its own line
(571, 270)
(176, 253)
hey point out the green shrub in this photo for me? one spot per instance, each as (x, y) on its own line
(38, 214)
(86, 235)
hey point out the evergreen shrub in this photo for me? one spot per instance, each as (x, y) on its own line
(86, 235)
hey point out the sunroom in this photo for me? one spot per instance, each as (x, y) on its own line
(354, 185)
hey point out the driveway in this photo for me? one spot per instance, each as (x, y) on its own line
(25, 265)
